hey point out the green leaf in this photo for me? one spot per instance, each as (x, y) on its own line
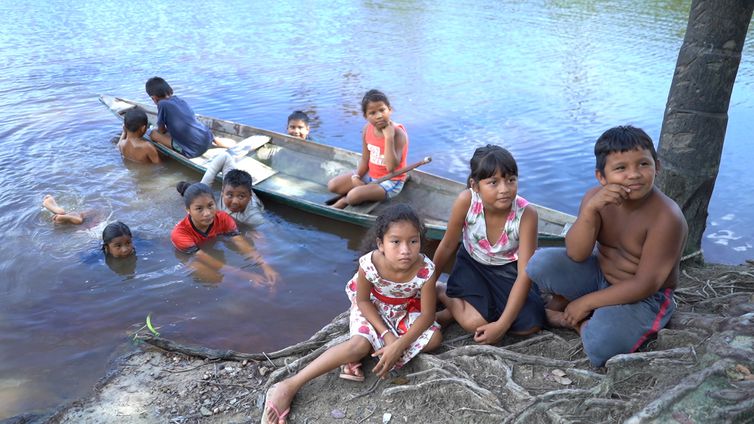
(149, 326)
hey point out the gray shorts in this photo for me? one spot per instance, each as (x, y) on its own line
(612, 330)
(392, 187)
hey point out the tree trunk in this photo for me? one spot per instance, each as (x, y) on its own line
(696, 115)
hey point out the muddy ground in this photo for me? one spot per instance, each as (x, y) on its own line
(698, 370)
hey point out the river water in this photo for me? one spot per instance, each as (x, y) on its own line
(542, 78)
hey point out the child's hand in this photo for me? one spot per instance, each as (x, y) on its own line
(611, 194)
(576, 312)
(270, 273)
(388, 354)
(388, 130)
(489, 333)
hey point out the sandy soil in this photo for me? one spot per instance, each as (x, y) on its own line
(698, 370)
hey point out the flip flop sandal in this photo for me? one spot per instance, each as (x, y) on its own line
(268, 404)
(349, 372)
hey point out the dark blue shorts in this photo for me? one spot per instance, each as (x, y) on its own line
(487, 287)
(612, 329)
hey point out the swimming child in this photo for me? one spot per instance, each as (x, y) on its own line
(621, 293)
(298, 124)
(177, 126)
(384, 149)
(392, 310)
(117, 240)
(237, 198)
(489, 292)
(131, 144)
(203, 222)
(59, 215)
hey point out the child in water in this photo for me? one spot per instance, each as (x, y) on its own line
(177, 126)
(384, 149)
(237, 198)
(117, 240)
(488, 291)
(204, 222)
(392, 310)
(298, 125)
(131, 144)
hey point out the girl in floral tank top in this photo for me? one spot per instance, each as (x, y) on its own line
(488, 291)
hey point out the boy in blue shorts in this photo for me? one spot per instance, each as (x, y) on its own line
(177, 126)
(614, 280)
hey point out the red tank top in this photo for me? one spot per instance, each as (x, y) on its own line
(376, 146)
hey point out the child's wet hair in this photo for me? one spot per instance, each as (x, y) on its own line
(392, 214)
(621, 139)
(112, 231)
(299, 115)
(158, 87)
(193, 191)
(237, 178)
(488, 160)
(373, 96)
(135, 118)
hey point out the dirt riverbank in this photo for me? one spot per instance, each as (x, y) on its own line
(700, 369)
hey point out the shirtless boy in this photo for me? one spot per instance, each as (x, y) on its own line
(621, 293)
(131, 144)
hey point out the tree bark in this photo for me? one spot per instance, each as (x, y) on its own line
(696, 115)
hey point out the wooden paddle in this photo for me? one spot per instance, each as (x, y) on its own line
(389, 176)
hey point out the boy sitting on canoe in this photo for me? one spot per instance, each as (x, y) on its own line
(131, 144)
(177, 126)
(621, 293)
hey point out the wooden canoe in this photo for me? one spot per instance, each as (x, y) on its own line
(295, 172)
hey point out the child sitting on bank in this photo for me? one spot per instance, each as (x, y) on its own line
(204, 222)
(621, 293)
(298, 125)
(237, 197)
(384, 149)
(177, 126)
(392, 310)
(489, 292)
(131, 144)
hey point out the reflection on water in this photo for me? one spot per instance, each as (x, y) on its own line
(543, 78)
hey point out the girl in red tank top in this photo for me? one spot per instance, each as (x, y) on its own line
(384, 149)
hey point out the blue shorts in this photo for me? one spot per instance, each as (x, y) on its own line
(392, 187)
(487, 287)
(612, 330)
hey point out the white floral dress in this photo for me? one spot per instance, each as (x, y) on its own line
(399, 305)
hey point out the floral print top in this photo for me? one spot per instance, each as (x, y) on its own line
(502, 251)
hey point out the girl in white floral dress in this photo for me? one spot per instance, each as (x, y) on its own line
(393, 301)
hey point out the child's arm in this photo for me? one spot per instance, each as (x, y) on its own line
(252, 254)
(363, 166)
(660, 255)
(494, 331)
(152, 154)
(223, 162)
(582, 236)
(395, 140)
(449, 243)
(395, 346)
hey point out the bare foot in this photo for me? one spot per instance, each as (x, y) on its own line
(224, 142)
(68, 218)
(557, 303)
(52, 206)
(341, 203)
(556, 318)
(444, 318)
(278, 403)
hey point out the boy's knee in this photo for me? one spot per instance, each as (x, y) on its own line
(545, 260)
(602, 343)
